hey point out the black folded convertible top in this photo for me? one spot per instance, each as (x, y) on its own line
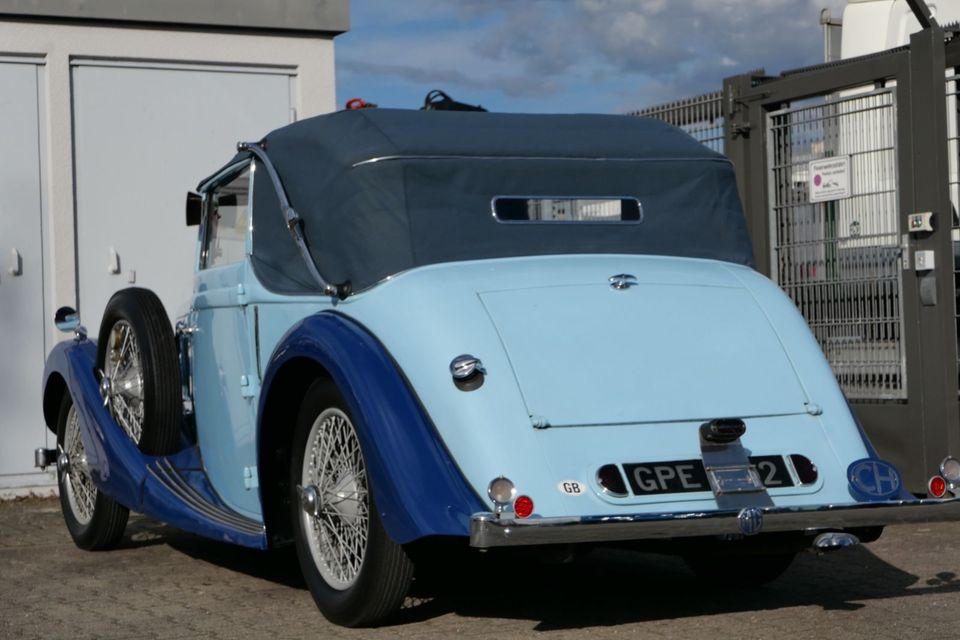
(383, 190)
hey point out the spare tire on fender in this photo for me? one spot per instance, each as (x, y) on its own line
(139, 370)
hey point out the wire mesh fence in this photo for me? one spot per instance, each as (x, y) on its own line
(840, 260)
(701, 117)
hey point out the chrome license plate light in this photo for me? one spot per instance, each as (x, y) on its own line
(726, 480)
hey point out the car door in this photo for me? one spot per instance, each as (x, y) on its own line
(223, 362)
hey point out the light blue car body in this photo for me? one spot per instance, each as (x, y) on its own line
(579, 374)
(591, 360)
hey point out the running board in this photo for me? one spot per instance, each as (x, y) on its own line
(171, 497)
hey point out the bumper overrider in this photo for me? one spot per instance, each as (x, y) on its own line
(874, 484)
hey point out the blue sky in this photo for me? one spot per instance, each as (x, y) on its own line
(605, 56)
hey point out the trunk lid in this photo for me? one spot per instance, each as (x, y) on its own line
(595, 355)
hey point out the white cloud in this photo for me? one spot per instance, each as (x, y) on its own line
(625, 48)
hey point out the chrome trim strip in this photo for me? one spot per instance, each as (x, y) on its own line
(563, 158)
(290, 217)
(486, 530)
(168, 476)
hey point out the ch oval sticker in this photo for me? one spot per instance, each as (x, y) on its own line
(572, 488)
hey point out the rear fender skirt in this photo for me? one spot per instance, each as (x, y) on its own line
(418, 489)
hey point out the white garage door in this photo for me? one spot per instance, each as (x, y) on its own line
(21, 274)
(143, 136)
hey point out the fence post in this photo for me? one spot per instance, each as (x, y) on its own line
(744, 145)
(926, 144)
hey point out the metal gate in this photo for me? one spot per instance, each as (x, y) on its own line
(832, 161)
(953, 160)
(840, 260)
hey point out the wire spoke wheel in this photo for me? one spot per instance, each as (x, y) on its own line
(123, 373)
(139, 371)
(80, 490)
(337, 532)
(94, 519)
(356, 574)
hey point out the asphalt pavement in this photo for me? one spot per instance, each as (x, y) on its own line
(163, 583)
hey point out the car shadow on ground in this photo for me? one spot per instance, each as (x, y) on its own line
(144, 532)
(605, 587)
(612, 587)
(277, 565)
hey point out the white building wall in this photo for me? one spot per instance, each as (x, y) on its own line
(58, 50)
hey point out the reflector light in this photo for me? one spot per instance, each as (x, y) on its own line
(937, 486)
(523, 506)
(501, 491)
(950, 469)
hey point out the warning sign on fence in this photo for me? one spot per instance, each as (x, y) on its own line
(829, 179)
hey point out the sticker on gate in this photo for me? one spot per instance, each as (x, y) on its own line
(572, 488)
(829, 179)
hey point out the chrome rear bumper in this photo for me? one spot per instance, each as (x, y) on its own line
(486, 530)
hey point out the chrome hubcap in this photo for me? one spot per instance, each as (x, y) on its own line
(334, 499)
(77, 483)
(121, 383)
(63, 462)
(310, 501)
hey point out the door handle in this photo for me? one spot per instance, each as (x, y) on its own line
(113, 262)
(16, 263)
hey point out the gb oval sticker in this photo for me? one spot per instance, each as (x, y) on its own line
(571, 488)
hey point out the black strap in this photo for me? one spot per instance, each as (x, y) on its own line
(437, 100)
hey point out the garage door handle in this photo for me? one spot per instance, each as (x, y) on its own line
(16, 263)
(113, 262)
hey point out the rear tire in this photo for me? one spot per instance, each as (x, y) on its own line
(94, 520)
(739, 570)
(140, 372)
(357, 575)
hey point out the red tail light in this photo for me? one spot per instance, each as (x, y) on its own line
(523, 506)
(937, 486)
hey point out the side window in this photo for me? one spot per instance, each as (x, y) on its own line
(228, 218)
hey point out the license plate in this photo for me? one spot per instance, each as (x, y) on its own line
(684, 476)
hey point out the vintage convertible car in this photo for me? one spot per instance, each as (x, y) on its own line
(503, 330)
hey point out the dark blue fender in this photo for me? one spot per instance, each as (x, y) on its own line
(114, 462)
(173, 489)
(418, 489)
(858, 494)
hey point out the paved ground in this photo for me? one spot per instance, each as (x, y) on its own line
(167, 584)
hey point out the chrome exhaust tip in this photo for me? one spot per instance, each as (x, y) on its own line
(834, 541)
